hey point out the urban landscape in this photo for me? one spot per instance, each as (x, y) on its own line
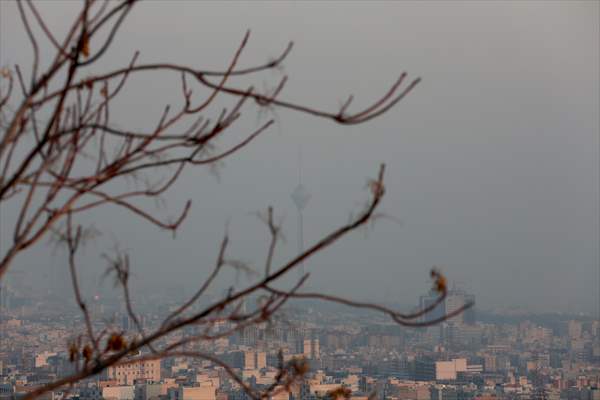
(299, 200)
(467, 357)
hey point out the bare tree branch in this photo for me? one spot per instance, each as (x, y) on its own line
(77, 158)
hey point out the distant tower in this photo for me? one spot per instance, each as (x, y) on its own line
(300, 197)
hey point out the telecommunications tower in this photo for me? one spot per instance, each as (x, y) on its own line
(300, 197)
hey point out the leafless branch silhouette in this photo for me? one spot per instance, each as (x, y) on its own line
(67, 168)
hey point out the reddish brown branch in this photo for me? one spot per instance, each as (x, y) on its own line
(57, 164)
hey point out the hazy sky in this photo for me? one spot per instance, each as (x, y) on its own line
(492, 162)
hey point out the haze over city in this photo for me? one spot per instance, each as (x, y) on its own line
(492, 161)
(299, 200)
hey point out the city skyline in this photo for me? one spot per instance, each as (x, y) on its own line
(530, 358)
(258, 200)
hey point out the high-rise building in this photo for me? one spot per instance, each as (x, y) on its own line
(456, 299)
(316, 349)
(311, 349)
(261, 360)
(249, 360)
(307, 348)
(575, 328)
(469, 314)
(427, 301)
(255, 359)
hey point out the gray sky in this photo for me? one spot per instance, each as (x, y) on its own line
(493, 161)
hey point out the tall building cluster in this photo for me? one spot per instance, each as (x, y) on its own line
(339, 352)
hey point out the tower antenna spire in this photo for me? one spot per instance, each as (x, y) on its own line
(300, 165)
(300, 197)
